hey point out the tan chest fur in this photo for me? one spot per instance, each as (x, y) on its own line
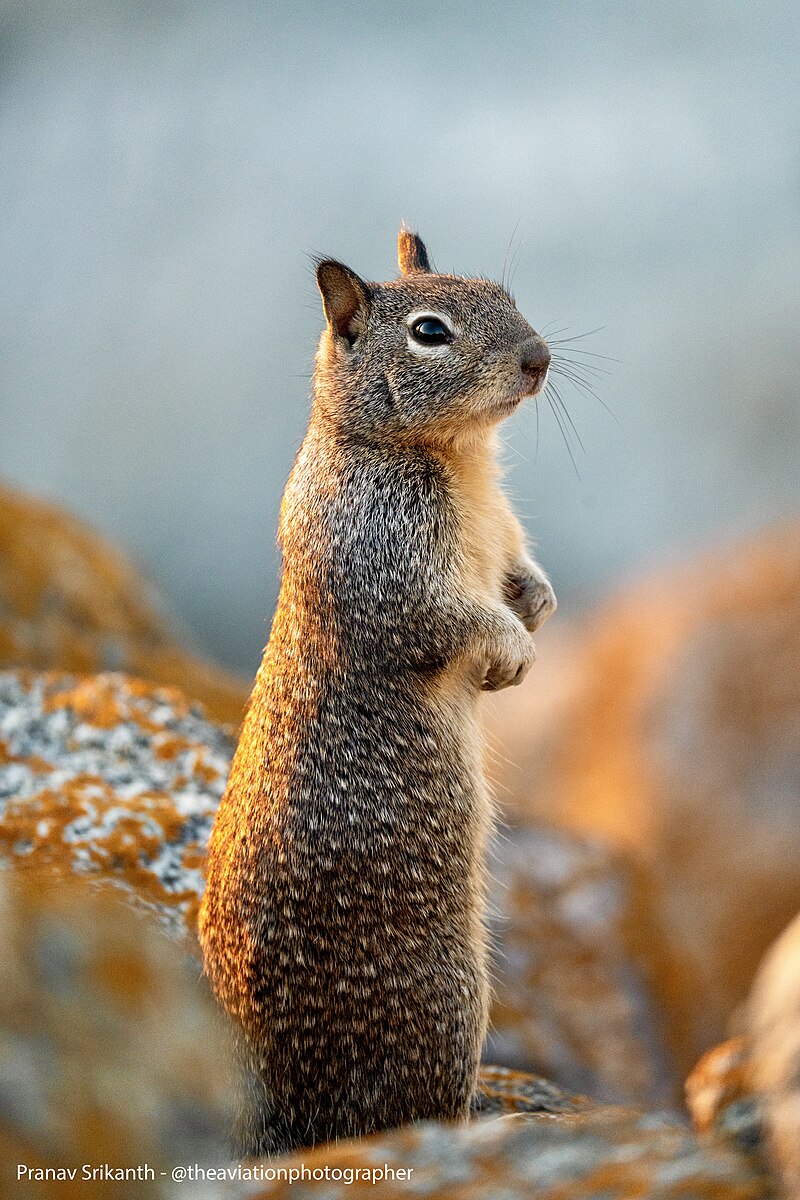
(490, 536)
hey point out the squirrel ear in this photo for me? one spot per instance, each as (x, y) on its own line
(411, 252)
(344, 295)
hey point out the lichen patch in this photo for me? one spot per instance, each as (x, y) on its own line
(112, 777)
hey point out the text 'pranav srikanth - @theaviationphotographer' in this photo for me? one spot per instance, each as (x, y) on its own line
(194, 1172)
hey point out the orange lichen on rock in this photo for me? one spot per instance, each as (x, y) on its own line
(120, 779)
(84, 791)
(675, 735)
(83, 787)
(71, 602)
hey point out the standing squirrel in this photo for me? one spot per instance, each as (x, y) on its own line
(343, 920)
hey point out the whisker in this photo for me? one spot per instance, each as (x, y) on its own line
(565, 411)
(563, 432)
(536, 454)
(514, 450)
(580, 366)
(577, 337)
(573, 376)
(580, 384)
(558, 368)
(567, 353)
(580, 370)
(565, 369)
(508, 251)
(515, 261)
(588, 353)
(579, 373)
(565, 438)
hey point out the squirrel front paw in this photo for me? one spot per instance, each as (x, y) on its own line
(508, 661)
(529, 593)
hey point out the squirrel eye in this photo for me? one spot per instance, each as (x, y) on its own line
(430, 331)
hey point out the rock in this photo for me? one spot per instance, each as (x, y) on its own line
(720, 1094)
(569, 1001)
(111, 1049)
(120, 779)
(117, 780)
(773, 1012)
(749, 1087)
(502, 1091)
(670, 728)
(598, 1152)
(114, 778)
(70, 602)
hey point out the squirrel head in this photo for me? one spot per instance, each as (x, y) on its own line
(423, 356)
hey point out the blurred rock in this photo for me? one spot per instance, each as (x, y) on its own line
(774, 1027)
(749, 1087)
(502, 1091)
(120, 779)
(720, 1094)
(569, 1001)
(110, 1052)
(71, 602)
(599, 1152)
(671, 728)
(111, 1048)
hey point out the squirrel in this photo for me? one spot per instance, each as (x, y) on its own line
(343, 923)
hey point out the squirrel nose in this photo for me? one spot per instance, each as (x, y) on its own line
(534, 360)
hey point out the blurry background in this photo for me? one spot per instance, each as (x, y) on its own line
(168, 167)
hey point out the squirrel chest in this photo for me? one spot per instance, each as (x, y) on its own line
(486, 541)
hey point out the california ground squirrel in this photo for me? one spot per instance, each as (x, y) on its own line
(343, 920)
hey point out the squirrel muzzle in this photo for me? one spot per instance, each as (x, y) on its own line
(534, 362)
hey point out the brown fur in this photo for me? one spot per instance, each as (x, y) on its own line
(343, 922)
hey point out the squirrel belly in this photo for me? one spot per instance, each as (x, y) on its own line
(343, 921)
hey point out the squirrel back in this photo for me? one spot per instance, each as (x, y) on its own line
(343, 922)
